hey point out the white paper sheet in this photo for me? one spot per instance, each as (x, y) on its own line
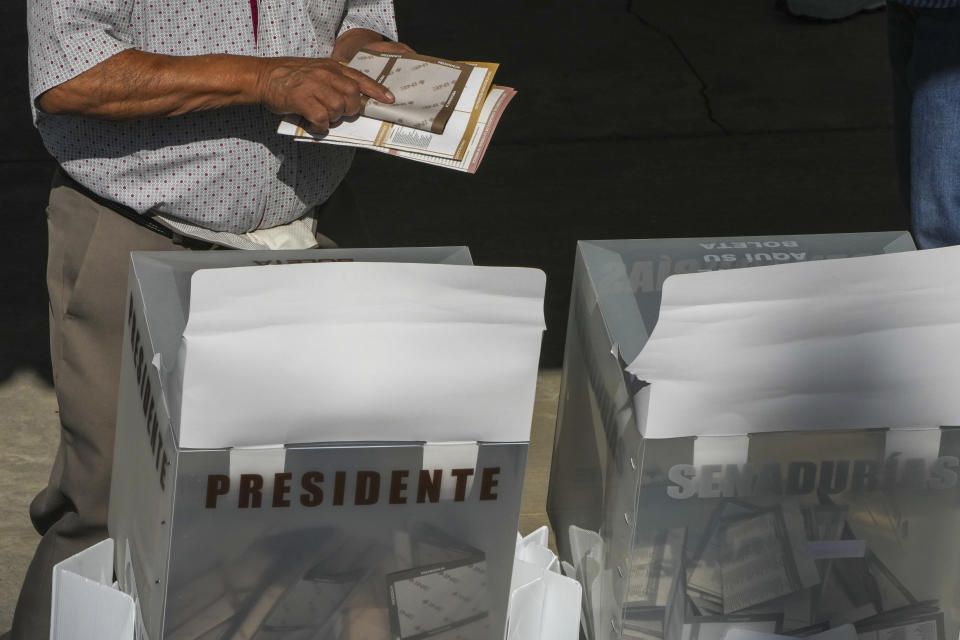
(344, 352)
(365, 130)
(854, 343)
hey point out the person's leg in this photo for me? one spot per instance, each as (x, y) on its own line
(89, 248)
(934, 72)
(900, 26)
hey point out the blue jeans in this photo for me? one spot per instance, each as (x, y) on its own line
(925, 56)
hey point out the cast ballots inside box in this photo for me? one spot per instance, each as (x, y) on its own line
(792, 467)
(614, 306)
(323, 444)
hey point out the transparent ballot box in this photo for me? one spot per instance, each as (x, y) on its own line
(242, 514)
(650, 564)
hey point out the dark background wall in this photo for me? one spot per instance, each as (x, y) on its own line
(633, 119)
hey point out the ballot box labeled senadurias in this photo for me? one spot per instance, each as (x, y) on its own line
(697, 488)
(323, 444)
(614, 305)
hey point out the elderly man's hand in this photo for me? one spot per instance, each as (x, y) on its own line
(320, 90)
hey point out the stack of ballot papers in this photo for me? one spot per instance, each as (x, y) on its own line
(444, 114)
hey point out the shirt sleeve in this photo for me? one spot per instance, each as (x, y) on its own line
(375, 15)
(68, 37)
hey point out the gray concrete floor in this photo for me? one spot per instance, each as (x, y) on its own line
(635, 118)
(30, 436)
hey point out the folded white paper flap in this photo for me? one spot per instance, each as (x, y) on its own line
(855, 343)
(86, 605)
(720, 450)
(540, 557)
(544, 605)
(449, 456)
(259, 463)
(533, 550)
(913, 443)
(539, 537)
(359, 352)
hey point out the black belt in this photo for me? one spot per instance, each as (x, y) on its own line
(130, 214)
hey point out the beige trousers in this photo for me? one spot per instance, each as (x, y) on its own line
(89, 252)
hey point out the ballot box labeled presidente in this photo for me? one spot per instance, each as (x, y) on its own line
(323, 444)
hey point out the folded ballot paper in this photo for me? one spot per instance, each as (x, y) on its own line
(426, 89)
(444, 114)
(323, 444)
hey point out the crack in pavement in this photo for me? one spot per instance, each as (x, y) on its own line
(686, 60)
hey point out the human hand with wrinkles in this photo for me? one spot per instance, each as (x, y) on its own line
(320, 90)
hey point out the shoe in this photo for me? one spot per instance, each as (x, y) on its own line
(828, 10)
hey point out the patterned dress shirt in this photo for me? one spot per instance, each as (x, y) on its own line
(216, 174)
